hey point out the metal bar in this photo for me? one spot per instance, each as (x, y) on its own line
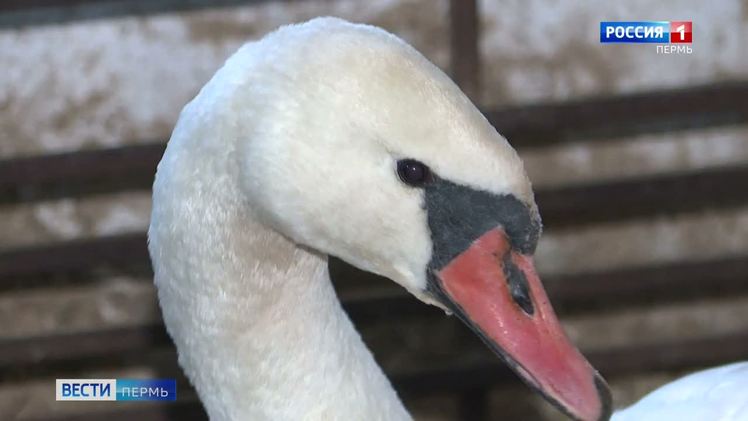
(592, 291)
(612, 362)
(464, 46)
(83, 173)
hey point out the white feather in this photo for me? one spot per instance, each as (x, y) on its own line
(289, 154)
(717, 394)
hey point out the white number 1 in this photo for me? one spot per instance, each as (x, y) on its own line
(682, 30)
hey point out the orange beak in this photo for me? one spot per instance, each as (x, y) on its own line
(497, 292)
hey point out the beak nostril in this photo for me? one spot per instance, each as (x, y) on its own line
(517, 282)
(495, 289)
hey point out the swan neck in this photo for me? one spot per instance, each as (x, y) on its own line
(259, 329)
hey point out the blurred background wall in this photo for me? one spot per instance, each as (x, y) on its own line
(100, 83)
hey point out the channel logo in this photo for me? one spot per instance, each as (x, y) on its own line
(652, 32)
(116, 390)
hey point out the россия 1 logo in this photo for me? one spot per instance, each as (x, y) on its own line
(678, 35)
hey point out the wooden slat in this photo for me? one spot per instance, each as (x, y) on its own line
(723, 277)
(624, 115)
(74, 347)
(464, 46)
(119, 252)
(560, 208)
(676, 281)
(182, 410)
(619, 361)
(625, 199)
(78, 174)
(21, 13)
(16, 5)
(81, 166)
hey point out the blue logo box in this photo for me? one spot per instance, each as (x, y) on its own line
(116, 389)
(653, 32)
(146, 390)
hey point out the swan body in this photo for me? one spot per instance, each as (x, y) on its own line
(299, 148)
(716, 394)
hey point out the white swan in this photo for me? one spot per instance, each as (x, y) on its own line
(716, 394)
(329, 138)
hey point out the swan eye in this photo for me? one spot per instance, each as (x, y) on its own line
(413, 173)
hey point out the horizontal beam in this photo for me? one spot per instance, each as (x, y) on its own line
(122, 252)
(624, 115)
(182, 410)
(647, 196)
(671, 282)
(83, 173)
(723, 277)
(23, 13)
(560, 207)
(78, 174)
(613, 362)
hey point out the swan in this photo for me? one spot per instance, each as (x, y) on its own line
(715, 394)
(332, 138)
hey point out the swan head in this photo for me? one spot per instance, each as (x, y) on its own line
(351, 143)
